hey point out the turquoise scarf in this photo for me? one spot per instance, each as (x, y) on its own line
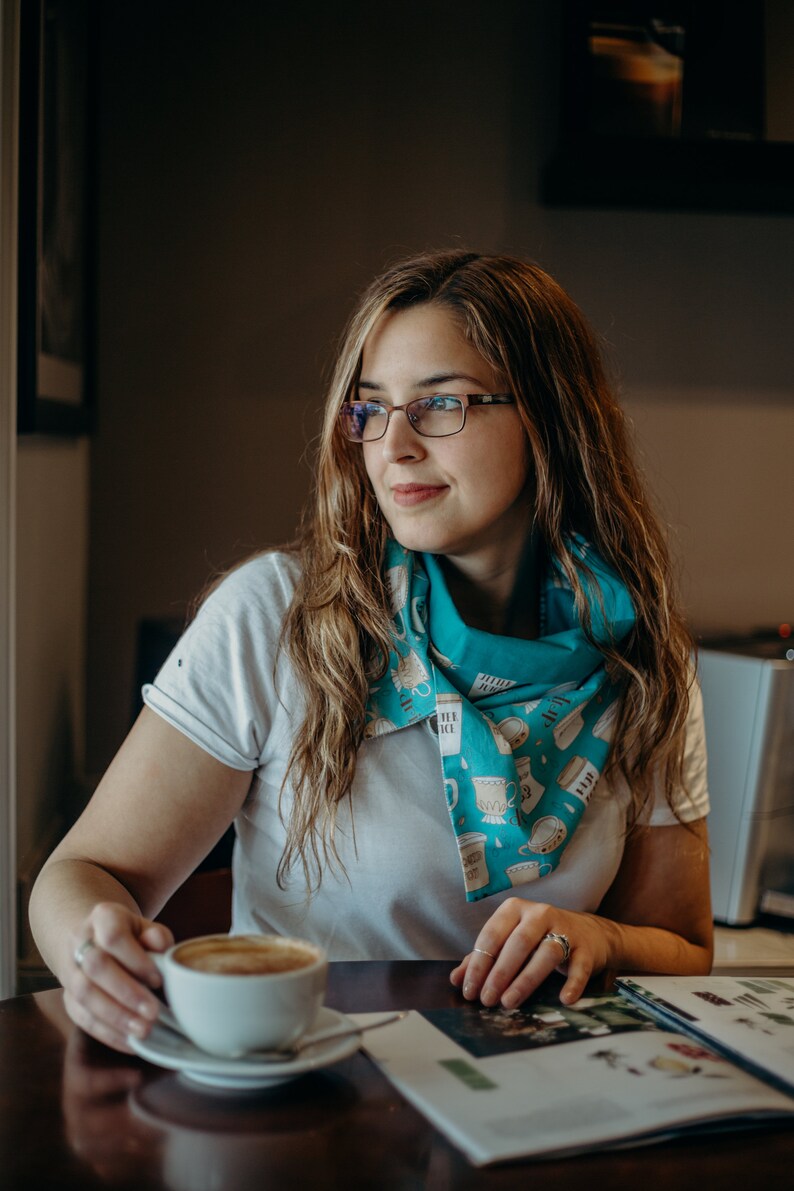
(524, 727)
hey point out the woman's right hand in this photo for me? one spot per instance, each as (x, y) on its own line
(108, 993)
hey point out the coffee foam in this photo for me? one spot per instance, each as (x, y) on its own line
(245, 955)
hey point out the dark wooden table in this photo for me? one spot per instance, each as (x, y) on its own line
(74, 1114)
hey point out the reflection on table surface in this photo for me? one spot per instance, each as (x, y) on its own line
(75, 1114)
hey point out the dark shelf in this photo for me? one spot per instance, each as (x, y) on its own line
(728, 176)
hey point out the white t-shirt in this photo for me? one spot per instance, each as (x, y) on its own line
(403, 895)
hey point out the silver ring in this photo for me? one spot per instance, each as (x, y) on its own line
(81, 951)
(480, 951)
(563, 942)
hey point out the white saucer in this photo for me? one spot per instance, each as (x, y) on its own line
(164, 1048)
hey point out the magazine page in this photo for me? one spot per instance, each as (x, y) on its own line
(550, 1079)
(750, 1018)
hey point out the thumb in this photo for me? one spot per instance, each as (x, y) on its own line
(155, 936)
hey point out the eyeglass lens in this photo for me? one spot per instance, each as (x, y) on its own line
(435, 417)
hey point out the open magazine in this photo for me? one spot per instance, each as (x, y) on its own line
(548, 1080)
(749, 1019)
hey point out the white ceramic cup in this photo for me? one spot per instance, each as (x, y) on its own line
(231, 1012)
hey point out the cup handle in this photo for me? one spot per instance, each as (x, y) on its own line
(512, 801)
(453, 785)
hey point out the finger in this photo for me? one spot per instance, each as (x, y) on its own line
(479, 964)
(100, 971)
(519, 951)
(530, 976)
(579, 973)
(458, 974)
(97, 1027)
(117, 932)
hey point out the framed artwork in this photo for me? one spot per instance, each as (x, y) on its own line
(56, 217)
(666, 103)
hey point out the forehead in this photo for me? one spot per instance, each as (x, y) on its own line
(418, 343)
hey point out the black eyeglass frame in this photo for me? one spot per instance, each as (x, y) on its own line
(465, 399)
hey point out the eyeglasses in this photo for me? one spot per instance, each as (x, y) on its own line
(436, 416)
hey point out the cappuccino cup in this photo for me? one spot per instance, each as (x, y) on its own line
(236, 993)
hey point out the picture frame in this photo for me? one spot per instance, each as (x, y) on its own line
(666, 106)
(57, 189)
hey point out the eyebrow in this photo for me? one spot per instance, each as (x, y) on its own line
(437, 378)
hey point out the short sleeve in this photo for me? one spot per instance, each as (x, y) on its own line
(218, 686)
(691, 799)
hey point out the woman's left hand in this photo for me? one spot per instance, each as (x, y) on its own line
(512, 956)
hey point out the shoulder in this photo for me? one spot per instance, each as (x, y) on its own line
(261, 588)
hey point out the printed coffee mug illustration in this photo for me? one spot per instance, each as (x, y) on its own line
(451, 791)
(501, 743)
(491, 797)
(418, 615)
(411, 675)
(547, 834)
(525, 871)
(531, 789)
(449, 714)
(568, 728)
(378, 727)
(579, 778)
(472, 859)
(604, 726)
(397, 586)
(514, 730)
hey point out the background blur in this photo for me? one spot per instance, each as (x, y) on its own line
(259, 163)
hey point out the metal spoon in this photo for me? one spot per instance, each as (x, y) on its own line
(167, 1019)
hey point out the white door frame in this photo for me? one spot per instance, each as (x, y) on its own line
(9, 139)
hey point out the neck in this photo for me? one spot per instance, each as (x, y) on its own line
(501, 598)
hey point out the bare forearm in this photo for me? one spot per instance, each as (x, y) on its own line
(653, 949)
(62, 898)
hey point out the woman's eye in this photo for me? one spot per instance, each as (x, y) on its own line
(441, 403)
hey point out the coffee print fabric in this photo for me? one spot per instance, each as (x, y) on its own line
(524, 727)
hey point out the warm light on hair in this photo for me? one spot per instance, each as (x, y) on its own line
(337, 630)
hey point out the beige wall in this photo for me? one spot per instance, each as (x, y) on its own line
(52, 589)
(257, 169)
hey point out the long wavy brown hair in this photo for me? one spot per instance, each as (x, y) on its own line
(337, 630)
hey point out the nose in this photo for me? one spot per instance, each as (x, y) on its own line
(401, 441)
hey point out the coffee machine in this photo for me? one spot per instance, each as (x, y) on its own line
(748, 701)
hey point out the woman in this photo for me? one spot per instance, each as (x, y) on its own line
(456, 718)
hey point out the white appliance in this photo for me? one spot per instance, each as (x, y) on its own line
(748, 700)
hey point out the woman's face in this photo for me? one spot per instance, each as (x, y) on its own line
(466, 496)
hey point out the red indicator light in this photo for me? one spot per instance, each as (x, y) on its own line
(784, 631)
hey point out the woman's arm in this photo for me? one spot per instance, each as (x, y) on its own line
(656, 917)
(155, 815)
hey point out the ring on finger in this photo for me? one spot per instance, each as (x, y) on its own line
(482, 951)
(82, 950)
(562, 941)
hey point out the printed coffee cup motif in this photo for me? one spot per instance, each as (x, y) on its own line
(514, 730)
(568, 728)
(579, 778)
(525, 871)
(396, 579)
(604, 726)
(501, 743)
(472, 858)
(418, 615)
(378, 727)
(411, 675)
(547, 834)
(449, 714)
(451, 793)
(531, 789)
(491, 798)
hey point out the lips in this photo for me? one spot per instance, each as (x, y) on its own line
(414, 494)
